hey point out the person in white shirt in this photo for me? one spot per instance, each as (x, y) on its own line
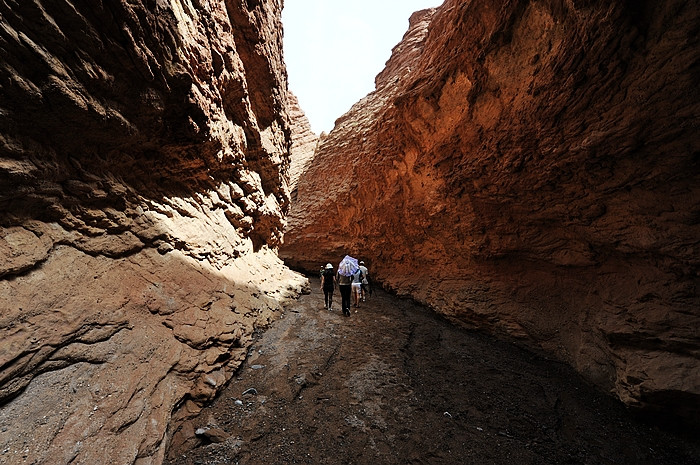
(365, 280)
(357, 288)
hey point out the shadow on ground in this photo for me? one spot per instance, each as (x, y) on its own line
(395, 384)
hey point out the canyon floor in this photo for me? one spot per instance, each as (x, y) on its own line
(395, 384)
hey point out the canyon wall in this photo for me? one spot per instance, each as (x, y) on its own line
(144, 148)
(304, 142)
(532, 168)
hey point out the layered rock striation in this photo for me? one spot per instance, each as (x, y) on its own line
(304, 142)
(531, 167)
(143, 192)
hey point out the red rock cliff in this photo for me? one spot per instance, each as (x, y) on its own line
(143, 159)
(531, 167)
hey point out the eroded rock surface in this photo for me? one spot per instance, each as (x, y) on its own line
(532, 168)
(143, 160)
(304, 142)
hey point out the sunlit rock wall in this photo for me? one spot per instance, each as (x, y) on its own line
(532, 167)
(143, 160)
(304, 142)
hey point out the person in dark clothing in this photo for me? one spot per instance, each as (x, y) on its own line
(328, 285)
(345, 284)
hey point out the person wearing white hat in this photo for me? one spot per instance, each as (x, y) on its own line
(365, 280)
(357, 288)
(328, 285)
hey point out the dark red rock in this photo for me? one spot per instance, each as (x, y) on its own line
(532, 168)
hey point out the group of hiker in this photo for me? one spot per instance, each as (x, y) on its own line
(352, 279)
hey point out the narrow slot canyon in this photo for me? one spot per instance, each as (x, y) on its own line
(523, 184)
(395, 384)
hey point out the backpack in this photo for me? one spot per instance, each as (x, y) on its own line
(362, 276)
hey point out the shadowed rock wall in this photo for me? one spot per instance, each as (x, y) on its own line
(532, 167)
(143, 160)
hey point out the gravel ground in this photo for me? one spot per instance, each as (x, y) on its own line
(394, 384)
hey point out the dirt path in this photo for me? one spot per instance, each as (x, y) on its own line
(393, 384)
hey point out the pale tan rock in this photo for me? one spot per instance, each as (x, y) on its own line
(143, 186)
(304, 142)
(213, 434)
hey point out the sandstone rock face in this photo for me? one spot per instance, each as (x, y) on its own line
(304, 142)
(532, 168)
(143, 159)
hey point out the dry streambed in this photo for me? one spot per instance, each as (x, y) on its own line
(395, 384)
